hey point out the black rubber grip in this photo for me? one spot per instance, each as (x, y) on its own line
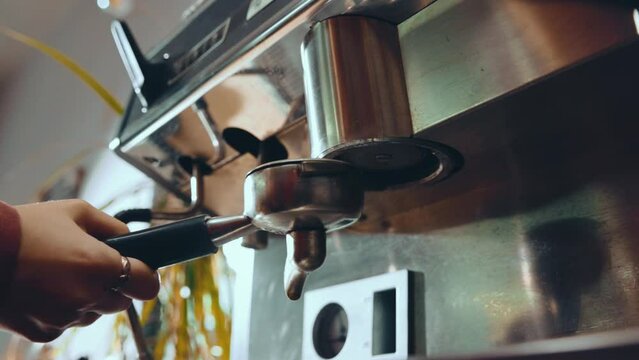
(167, 244)
(131, 215)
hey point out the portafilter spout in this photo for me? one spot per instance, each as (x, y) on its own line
(302, 199)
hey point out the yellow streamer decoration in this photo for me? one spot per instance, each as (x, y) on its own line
(69, 63)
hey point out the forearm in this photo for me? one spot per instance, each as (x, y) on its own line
(9, 247)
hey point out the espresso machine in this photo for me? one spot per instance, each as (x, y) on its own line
(431, 179)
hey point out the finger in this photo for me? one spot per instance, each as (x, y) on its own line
(112, 302)
(43, 336)
(87, 319)
(95, 222)
(143, 283)
(33, 332)
(102, 226)
(57, 320)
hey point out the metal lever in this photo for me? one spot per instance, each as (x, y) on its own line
(198, 170)
(149, 80)
(201, 110)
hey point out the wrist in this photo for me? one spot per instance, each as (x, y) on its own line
(9, 247)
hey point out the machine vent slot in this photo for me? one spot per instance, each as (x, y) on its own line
(384, 320)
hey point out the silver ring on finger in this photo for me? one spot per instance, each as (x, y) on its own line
(125, 275)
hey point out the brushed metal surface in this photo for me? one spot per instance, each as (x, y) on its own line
(303, 194)
(354, 83)
(303, 199)
(460, 54)
(457, 55)
(357, 107)
(535, 238)
(618, 345)
(255, 86)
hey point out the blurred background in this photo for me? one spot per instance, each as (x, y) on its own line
(47, 116)
(54, 131)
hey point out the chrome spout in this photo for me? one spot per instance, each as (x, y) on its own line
(306, 252)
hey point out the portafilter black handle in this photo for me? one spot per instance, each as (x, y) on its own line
(168, 244)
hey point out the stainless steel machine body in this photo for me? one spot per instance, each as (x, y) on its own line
(534, 238)
(357, 107)
(355, 83)
(292, 195)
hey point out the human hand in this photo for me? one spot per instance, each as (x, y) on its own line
(64, 274)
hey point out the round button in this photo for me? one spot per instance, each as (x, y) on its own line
(330, 331)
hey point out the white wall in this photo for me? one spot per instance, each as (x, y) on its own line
(46, 115)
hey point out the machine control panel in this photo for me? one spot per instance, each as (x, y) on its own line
(218, 33)
(370, 318)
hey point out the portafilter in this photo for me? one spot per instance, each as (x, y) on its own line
(302, 199)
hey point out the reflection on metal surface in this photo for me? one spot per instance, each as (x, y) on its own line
(460, 54)
(293, 16)
(206, 120)
(198, 171)
(450, 69)
(534, 238)
(618, 345)
(303, 199)
(560, 259)
(306, 252)
(271, 149)
(288, 195)
(273, 49)
(330, 331)
(357, 106)
(354, 83)
(237, 102)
